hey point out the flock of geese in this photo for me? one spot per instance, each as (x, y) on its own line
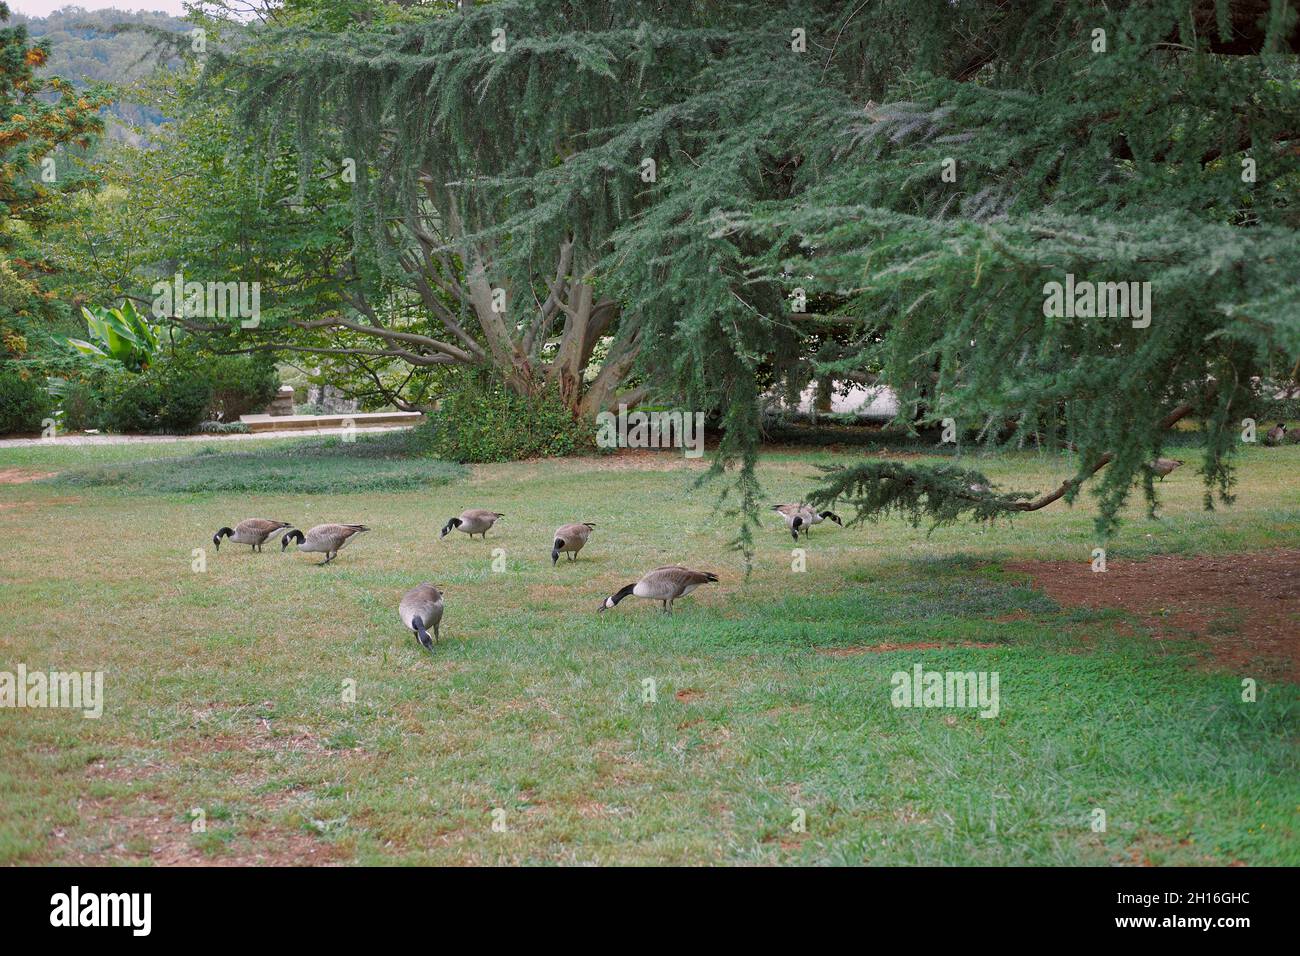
(420, 608)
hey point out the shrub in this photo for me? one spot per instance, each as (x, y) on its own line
(82, 406)
(241, 384)
(481, 421)
(223, 428)
(24, 403)
(172, 396)
(81, 394)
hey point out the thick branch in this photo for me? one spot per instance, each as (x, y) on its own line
(452, 353)
(1179, 413)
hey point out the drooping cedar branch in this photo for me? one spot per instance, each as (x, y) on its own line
(1177, 415)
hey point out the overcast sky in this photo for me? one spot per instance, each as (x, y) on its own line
(39, 8)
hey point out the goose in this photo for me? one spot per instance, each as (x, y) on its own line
(421, 609)
(250, 531)
(472, 522)
(324, 537)
(570, 538)
(1276, 435)
(1163, 466)
(664, 584)
(801, 518)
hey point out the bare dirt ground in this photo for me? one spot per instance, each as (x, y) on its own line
(1244, 607)
(19, 476)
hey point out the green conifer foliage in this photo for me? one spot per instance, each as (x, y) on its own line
(923, 171)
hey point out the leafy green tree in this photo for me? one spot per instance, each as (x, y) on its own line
(193, 199)
(43, 121)
(88, 48)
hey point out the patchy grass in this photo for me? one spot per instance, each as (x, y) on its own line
(227, 689)
(370, 463)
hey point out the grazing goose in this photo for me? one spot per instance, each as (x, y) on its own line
(664, 584)
(324, 537)
(570, 538)
(421, 609)
(1163, 466)
(1276, 435)
(801, 518)
(251, 531)
(472, 522)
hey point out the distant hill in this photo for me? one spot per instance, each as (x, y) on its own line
(83, 50)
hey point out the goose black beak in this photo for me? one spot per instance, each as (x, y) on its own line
(555, 556)
(216, 541)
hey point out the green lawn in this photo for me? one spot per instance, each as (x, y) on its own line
(224, 688)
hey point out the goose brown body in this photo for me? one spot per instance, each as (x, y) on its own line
(324, 538)
(570, 539)
(664, 584)
(801, 517)
(472, 522)
(250, 531)
(421, 610)
(1163, 466)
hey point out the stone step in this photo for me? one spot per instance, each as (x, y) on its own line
(266, 423)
